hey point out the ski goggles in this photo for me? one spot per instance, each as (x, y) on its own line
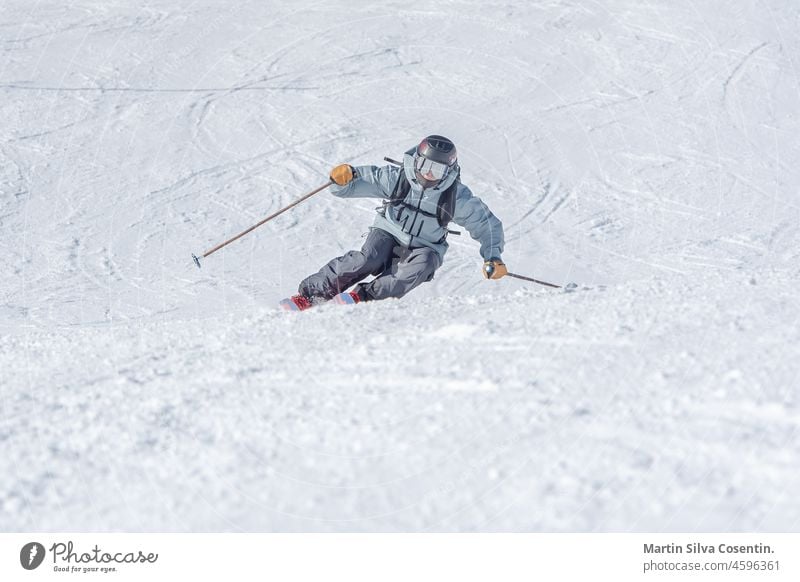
(429, 169)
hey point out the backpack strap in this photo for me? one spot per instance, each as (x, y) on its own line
(401, 188)
(447, 203)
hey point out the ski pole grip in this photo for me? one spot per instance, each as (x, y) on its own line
(391, 161)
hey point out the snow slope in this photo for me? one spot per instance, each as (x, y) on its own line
(645, 151)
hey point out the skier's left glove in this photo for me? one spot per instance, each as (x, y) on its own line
(494, 269)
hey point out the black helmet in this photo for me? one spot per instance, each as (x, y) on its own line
(435, 157)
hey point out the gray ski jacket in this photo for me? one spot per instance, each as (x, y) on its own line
(414, 224)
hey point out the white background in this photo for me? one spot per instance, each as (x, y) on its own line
(401, 557)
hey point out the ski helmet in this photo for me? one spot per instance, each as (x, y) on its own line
(434, 158)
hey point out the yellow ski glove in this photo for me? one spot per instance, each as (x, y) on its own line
(494, 269)
(343, 174)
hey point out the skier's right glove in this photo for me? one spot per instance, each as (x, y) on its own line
(494, 269)
(343, 174)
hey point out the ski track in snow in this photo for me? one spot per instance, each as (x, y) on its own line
(642, 150)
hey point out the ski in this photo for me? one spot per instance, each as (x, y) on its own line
(300, 303)
(295, 303)
(346, 298)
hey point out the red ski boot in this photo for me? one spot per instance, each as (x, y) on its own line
(296, 303)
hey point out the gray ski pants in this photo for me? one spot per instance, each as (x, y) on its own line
(398, 269)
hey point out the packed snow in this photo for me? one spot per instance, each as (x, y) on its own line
(646, 151)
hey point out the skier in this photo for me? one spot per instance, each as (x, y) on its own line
(407, 241)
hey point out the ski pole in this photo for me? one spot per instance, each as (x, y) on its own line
(255, 226)
(531, 279)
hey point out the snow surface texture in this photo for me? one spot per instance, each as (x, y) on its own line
(646, 151)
